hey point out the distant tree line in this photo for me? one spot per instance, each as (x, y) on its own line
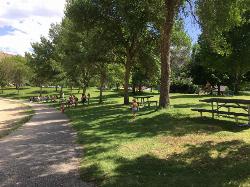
(14, 70)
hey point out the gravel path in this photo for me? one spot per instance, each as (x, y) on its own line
(41, 153)
(10, 113)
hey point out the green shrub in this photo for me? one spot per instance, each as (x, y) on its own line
(183, 86)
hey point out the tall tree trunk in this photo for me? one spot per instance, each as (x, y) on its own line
(41, 89)
(100, 96)
(133, 89)
(117, 87)
(2, 89)
(85, 84)
(127, 76)
(140, 87)
(102, 78)
(219, 93)
(171, 6)
(237, 84)
(84, 88)
(56, 88)
(79, 89)
(71, 89)
(61, 91)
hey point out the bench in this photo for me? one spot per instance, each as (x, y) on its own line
(235, 114)
(150, 102)
(233, 106)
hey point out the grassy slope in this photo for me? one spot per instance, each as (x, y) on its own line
(161, 148)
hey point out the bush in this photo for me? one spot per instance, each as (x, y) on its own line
(183, 86)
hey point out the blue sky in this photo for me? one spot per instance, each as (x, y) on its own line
(192, 28)
(24, 21)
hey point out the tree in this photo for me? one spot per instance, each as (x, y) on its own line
(220, 16)
(6, 70)
(124, 21)
(217, 66)
(115, 75)
(215, 17)
(237, 62)
(21, 71)
(59, 77)
(171, 8)
(207, 66)
(41, 62)
(146, 70)
(14, 70)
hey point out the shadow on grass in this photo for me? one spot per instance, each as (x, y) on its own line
(194, 167)
(113, 119)
(102, 128)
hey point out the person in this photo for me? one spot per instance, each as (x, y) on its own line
(71, 100)
(134, 107)
(62, 107)
(88, 98)
(75, 100)
(52, 98)
(208, 87)
(83, 98)
(47, 98)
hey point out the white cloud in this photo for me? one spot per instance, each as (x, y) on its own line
(30, 19)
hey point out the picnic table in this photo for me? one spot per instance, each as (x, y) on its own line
(142, 98)
(148, 102)
(217, 104)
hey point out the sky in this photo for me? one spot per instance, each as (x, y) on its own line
(23, 22)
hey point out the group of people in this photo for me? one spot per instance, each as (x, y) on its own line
(46, 98)
(73, 100)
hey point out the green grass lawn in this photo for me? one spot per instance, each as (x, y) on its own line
(173, 147)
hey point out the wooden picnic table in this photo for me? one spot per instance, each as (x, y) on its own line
(142, 98)
(224, 100)
(218, 103)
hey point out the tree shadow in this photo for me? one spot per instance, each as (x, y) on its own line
(15, 109)
(207, 164)
(106, 124)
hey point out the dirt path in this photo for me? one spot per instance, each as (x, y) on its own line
(41, 153)
(10, 113)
